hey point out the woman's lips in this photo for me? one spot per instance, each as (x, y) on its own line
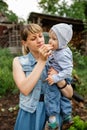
(40, 45)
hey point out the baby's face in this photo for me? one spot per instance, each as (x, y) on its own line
(53, 40)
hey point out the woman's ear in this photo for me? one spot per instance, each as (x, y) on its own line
(23, 42)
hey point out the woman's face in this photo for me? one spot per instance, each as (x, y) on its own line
(35, 41)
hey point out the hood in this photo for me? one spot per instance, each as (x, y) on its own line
(64, 33)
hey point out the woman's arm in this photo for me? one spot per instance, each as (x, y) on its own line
(26, 84)
(65, 88)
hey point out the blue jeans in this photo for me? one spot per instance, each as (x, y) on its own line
(56, 103)
(52, 100)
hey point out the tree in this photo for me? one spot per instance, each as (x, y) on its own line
(3, 6)
(77, 9)
(12, 17)
(49, 6)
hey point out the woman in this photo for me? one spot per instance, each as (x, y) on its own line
(29, 73)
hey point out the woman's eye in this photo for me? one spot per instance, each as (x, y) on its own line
(32, 39)
(40, 36)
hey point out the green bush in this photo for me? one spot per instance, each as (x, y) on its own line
(78, 124)
(80, 69)
(6, 78)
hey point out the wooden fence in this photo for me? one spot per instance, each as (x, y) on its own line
(11, 39)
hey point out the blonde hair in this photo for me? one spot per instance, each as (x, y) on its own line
(25, 31)
(25, 50)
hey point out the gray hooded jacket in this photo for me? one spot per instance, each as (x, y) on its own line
(62, 59)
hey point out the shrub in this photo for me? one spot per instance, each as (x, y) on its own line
(78, 124)
(6, 78)
(80, 70)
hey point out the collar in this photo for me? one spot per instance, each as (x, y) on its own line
(31, 59)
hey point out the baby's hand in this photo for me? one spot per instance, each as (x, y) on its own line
(52, 71)
(50, 80)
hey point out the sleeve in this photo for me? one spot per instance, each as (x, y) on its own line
(66, 64)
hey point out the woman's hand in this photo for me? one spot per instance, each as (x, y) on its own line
(45, 51)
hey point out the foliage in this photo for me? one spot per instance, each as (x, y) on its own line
(49, 6)
(12, 17)
(80, 71)
(78, 124)
(77, 9)
(3, 6)
(6, 78)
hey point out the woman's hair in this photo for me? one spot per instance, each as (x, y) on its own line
(25, 31)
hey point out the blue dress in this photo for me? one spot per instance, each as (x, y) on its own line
(32, 112)
(31, 121)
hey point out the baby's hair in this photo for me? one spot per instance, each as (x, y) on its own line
(31, 28)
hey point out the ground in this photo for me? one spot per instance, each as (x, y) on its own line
(9, 109)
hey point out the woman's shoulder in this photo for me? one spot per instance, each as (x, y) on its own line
(24, 59)
(15, 59)
(21, 59)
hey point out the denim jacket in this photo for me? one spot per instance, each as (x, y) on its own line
(29, 103)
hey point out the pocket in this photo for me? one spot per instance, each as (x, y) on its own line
(27, 69)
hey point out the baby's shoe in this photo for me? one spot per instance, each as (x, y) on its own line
(68, 121)
(51, 126)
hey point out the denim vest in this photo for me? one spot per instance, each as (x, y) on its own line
(29, 103)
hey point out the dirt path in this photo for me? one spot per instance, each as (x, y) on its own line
(9, 109)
